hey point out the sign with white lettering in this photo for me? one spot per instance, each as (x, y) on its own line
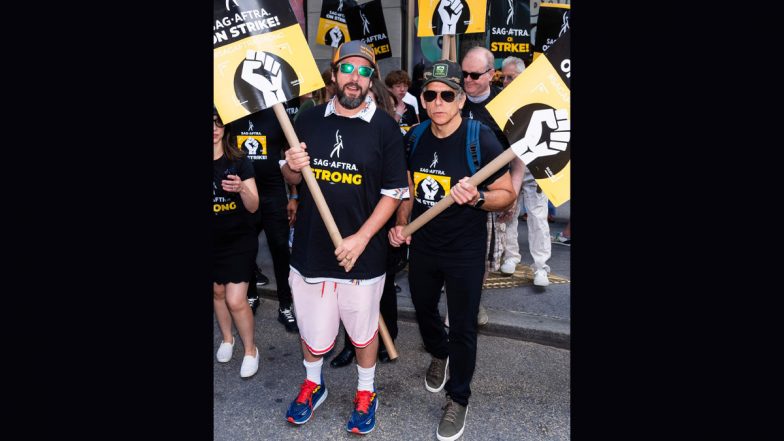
(510, 29)
(260, 57)
(332, 30)
(366, 22)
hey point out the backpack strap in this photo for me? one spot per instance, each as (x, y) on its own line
(473, 155)
(416, 133)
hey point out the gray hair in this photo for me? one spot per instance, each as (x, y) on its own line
(518, 64)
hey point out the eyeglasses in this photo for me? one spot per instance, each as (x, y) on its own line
(446, 95)
(503, 78)
(218, 123)
(364, 71)
(475, 75)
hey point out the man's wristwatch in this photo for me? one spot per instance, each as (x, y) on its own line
(481, 201)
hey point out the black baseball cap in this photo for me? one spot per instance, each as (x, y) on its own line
(445, 71)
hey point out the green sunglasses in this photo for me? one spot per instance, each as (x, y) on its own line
(364, 71)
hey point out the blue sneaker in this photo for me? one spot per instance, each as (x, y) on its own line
(311, 395)
(363, 418)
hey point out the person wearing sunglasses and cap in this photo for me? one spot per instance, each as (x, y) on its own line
(356, 154)
(449, 250)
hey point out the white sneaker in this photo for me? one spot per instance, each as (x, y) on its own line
(508, 267)
(225, 350)
(481, 318)
(250, 365)
(540, 278)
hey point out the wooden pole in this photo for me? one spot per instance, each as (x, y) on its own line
(453, 48)
(323, 209)
(445, 47)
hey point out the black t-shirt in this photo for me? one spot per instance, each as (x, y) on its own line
(260, 136)
(479, 112)
(409, 117)
(352, 161)
(231, 216)
(436, 166)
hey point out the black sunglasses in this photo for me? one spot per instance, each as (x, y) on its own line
(446, 95)
(474, 75)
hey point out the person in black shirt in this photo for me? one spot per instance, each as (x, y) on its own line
(395, 256)
(450, 249)
(234, 198)
(261, 138)
(357, 157)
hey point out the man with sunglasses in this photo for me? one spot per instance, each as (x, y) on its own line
(356, 153)
(478, 69)
(449, 250)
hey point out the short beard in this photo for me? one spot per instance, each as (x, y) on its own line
(349, 103)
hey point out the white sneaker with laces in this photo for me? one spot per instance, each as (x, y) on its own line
(250, 365)
(508, 267)
(540, 278)
(225, 350)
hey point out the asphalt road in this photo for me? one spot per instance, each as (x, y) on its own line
(521, 391)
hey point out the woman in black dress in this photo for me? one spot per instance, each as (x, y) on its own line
(234, 198)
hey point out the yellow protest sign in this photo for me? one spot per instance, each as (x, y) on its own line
(451, 17)
(332, 29)
(260, 57)
(534, 112)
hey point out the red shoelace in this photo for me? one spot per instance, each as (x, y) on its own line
(363, 400)
(306, 392)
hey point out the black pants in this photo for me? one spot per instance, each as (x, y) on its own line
(273, 219)
(463, 280)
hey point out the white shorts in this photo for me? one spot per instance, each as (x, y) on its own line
(322, 306)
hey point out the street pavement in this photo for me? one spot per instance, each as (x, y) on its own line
(521, 386)
(520, 391)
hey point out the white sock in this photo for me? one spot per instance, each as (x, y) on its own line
(314, 370)
(366, 377)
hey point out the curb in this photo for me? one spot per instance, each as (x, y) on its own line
(544, 330)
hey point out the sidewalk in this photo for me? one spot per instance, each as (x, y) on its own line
(527, 312)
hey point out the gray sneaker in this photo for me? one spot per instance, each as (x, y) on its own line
(453, 422)
(436, 374)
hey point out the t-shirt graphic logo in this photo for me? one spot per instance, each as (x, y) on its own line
(430, 188)
(435, 160)
(252, 145)
(470, 114)
(250, 126)
(340, 5)
(233, 1)
(564, 24)
(510, 15)
(338, 144)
